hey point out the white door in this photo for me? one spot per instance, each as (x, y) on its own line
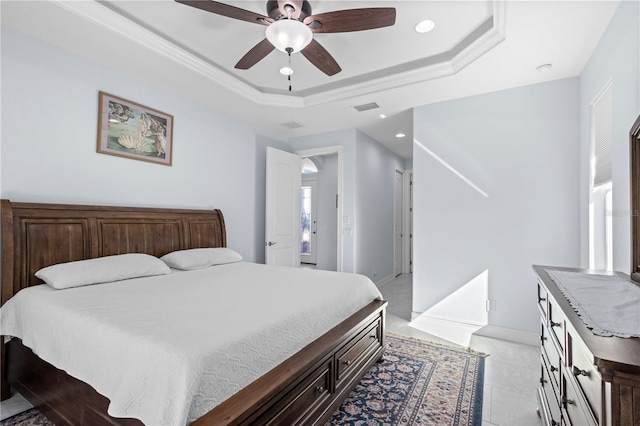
(410, 233)
(282, 215)
(397, 240)
(308, 222)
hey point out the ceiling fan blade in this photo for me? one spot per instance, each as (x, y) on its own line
(227, 10)
(255, 55)
(341, 21)
(318, 56)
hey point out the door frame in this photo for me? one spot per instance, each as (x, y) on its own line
(329, 150)
(408, 222)
(398, 192)
(311, 258)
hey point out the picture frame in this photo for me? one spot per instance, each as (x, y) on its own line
(131, 130)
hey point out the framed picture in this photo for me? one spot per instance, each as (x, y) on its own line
(130, 130)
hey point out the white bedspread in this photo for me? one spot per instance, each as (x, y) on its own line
(167, 349)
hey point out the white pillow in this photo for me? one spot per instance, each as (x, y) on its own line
(200, 258)
(102, 270)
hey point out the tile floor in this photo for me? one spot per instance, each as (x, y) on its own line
(12, 406)
(511, 370)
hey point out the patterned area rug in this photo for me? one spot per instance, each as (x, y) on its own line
(419, 383)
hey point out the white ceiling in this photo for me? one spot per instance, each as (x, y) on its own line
(476, 47)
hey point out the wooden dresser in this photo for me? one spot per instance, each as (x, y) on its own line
(585, 379)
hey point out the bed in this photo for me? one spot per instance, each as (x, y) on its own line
(303, 388)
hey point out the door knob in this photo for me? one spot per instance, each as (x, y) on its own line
(271, 243)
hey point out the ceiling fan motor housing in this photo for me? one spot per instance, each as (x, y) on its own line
(274, 11)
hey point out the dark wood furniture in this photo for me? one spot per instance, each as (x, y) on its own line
(585, 379)
(304, 389)
(634, 148)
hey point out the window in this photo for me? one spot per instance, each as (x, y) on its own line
(634, 140)
(600, 203)
(308, 166)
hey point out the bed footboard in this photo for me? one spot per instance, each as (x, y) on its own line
(304, 390)
(308, 387)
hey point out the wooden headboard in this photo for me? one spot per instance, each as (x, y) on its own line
(36, 235)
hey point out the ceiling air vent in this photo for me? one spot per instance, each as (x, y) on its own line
(365, 107)
(293, 124)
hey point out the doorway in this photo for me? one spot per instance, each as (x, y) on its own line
(318, 217)
(329, 241)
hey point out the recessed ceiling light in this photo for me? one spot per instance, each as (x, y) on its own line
(383, 116)
(544, 67)
(286, 70)
(425, 26)
(400, 135)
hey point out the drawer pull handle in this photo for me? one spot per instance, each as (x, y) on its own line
(542, 299)
(320, 389)
(553, 368)
(554, 423)
(542, 338)
(578, 372)
(555, 324)
(347, 362)
(568, 401)
(542, 381)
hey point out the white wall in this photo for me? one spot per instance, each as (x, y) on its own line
(375, 184)
(616, 59)
(518, 147)
(49, 127)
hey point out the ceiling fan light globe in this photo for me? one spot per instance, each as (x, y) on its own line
(289, 33)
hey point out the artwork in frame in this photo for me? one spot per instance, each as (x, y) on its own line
(128, 129)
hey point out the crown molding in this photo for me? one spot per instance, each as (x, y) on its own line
(453, 63)
(477, 44)
(101, 15)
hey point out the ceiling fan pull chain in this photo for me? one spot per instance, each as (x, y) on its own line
(289, 50)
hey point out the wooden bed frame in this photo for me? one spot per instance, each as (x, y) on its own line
(304, 389)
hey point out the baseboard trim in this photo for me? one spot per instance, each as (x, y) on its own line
(510, 334)
(449, 319)
(385, 281)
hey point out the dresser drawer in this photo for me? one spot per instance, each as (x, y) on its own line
(542, 300)
(357, 351)
(574, 406)
(308, 396)
(556, 322)
(553, 358)
(580, 365)
(552, 396)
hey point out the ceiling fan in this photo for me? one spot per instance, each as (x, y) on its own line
(290, 27)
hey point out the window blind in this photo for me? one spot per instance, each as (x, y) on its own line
(602, 126)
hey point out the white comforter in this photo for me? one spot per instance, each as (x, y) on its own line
(167, 349)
